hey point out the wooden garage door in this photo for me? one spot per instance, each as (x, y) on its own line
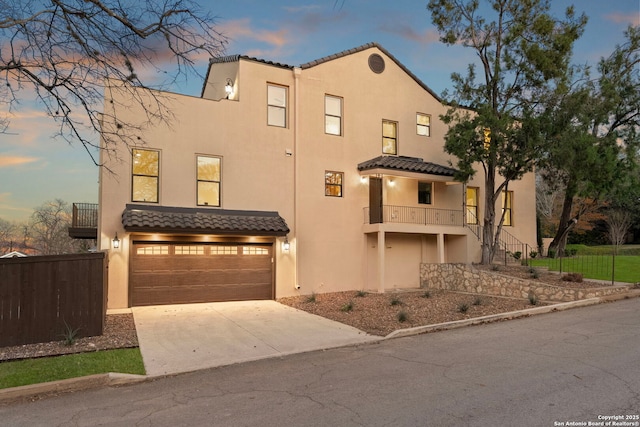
(174, 273)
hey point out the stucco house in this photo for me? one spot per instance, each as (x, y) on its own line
(283, 180)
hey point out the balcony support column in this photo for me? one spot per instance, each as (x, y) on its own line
(440, 239)
(381, 261)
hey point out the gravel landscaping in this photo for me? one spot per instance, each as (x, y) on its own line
(381, 314)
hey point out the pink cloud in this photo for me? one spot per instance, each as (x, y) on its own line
(242, 29)
(8, 161)
(624, 18)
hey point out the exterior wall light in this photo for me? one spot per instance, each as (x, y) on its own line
(286, 245)
(115, 242)
(228, 88)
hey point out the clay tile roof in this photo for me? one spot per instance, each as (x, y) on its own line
(408, 164)
(203, 221)
(236, 58)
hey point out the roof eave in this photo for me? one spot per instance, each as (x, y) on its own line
(208, 231)
(382, 171)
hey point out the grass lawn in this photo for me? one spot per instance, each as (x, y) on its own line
(32, 371)
(627, 267)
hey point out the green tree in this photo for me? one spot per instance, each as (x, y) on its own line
(593, 127)
(66, 50)
(521, 49)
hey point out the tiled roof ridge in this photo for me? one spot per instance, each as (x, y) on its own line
(203, 220)
(411, 164)
(235, 58)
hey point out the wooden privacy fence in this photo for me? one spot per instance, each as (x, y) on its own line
(43, 297)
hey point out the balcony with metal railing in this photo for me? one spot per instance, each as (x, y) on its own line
(84, 221)
(414, 215)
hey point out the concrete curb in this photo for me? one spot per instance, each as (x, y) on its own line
(508, 316)
(32, 391)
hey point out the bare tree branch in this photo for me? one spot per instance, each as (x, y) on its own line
(67, 52)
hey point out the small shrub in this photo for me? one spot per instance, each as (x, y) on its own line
(312, 297)
(533, 254)
(347, 307)
(361, 293)
(69, 334)
(533, 300)
(462, 308)
(571, 251)
(395, 301)
(426, 294)
(517, 254)
(551, 253)
(477, 301)
(495, 267)
(572, 277)
(402, 317)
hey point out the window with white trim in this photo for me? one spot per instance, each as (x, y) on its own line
(389, 137)
(208, 180)
(145, 174)
(276, 105)
(423, 124)
(332, 115)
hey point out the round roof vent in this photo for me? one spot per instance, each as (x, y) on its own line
(376, 63)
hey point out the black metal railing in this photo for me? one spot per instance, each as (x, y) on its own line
(417, 215)
(510, 248)
(85, 215)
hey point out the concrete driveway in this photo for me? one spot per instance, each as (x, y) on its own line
(187, 337)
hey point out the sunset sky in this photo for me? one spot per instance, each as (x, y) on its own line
(34, 167)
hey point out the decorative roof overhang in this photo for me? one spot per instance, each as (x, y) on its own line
(410, 167)
(166, 219)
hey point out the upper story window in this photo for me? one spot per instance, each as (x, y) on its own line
(507, 207)
(423, 124)
(389, 137)
(208, 177)
(425, 190)
(276, 105)
(333, 183)
(472, 205)
(145, 173)
(332, 115)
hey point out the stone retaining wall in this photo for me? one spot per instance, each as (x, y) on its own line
(466, 278)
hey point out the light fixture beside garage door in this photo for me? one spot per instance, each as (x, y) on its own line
(115, 243)
(285, 244)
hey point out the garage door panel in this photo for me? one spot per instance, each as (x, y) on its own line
(184, 274)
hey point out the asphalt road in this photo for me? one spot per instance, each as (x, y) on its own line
(577, 366)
